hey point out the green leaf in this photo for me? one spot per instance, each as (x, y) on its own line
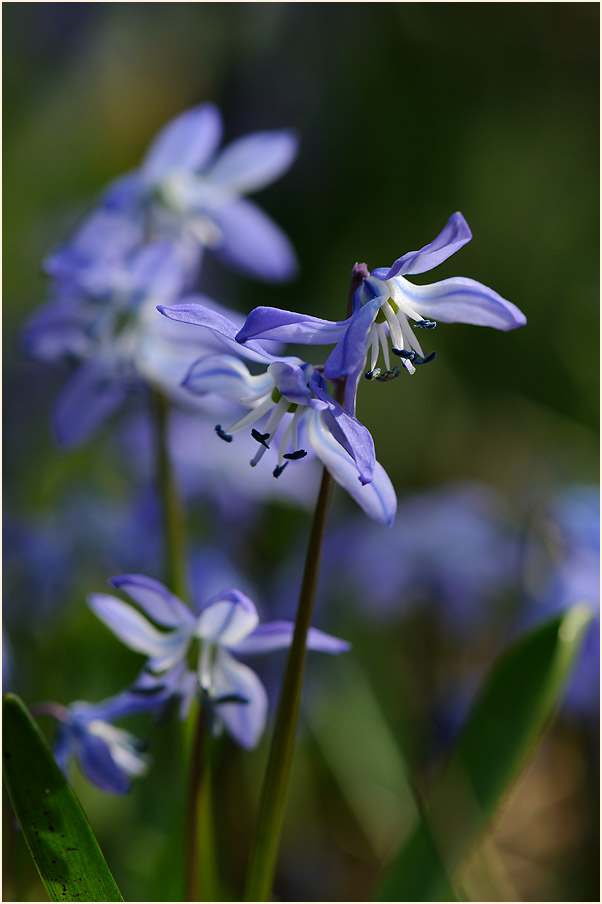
(506, 721)
(57, 833)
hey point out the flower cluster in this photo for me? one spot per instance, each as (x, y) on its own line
(126, 292)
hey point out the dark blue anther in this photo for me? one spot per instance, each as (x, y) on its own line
(388, 375)
(222, 434)
(372, 374)
(404, 353)
(260, 437)
(418, 360)
(279, 469)
(425, 324)
(295, 456)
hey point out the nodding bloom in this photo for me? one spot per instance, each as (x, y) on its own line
(183, 190)
(103, 322)
(196, 654)
(108, 756)
(383, 305)
(293, 394)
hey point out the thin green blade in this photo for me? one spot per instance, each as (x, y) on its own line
(506, 721)
(57, 833)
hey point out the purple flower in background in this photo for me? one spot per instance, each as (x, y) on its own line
(562, 570)
(451, 551)
(383, 305)
(185, 191)
(292, 392)
(197, 654)
(110, 327)
(108, 756)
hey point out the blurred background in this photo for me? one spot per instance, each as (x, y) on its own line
(406, 112)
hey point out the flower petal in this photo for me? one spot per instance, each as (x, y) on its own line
(200, 315)
(348, 431)
(253, 243)
(454, 234)
(129, 626)
(291, 381)
(253, 161)
(463, 300)
(244, 721)
(226, 376)
(98, 765)
(156, 600)
(376, 498)
(350, 352)
(227, 618)
(277, 635)
(288, 326)
(87, 399)
(185, 143)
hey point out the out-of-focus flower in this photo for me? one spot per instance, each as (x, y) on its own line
(197, 654)
(109, 757)
(104, 319)
(182, 190)
(563, 569)
(451, 551)
(294, 392)
(383, 304)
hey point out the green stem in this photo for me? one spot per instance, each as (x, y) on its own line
(173, 513)
(271, 810)
(194, 808)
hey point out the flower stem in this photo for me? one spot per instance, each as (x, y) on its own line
(194, 807)
(173, 514)
(271, 809)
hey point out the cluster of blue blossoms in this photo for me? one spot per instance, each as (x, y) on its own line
(125, 296)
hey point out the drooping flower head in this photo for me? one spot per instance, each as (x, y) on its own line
(196, 654)
(292, 396)
(109, 757)
(383, 305)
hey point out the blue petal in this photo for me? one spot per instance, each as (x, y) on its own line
(376, 498)
(89, 397)
(454, 234)
(291, 381)
(350, 353)
(253, 161)
(200, 315)
(349, 432)
(186, 143)
(245, 721)
(56, 331)
(277, 635)
(253, 243)
(227, 618)
(156, 600)
(226, 376)
(99, 766)
(463, 300)
(131, 628)
(288, 326)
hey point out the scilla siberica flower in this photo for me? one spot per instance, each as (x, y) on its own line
(182, 190)
(196, 655)
(383, 305)
(109, 757)
(294, 392)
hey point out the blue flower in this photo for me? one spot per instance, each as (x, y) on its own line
(183, 191)
(383, 304)
(563, 569)
(196, 654)
(292, 392)
(108, 756)
(104, 319)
